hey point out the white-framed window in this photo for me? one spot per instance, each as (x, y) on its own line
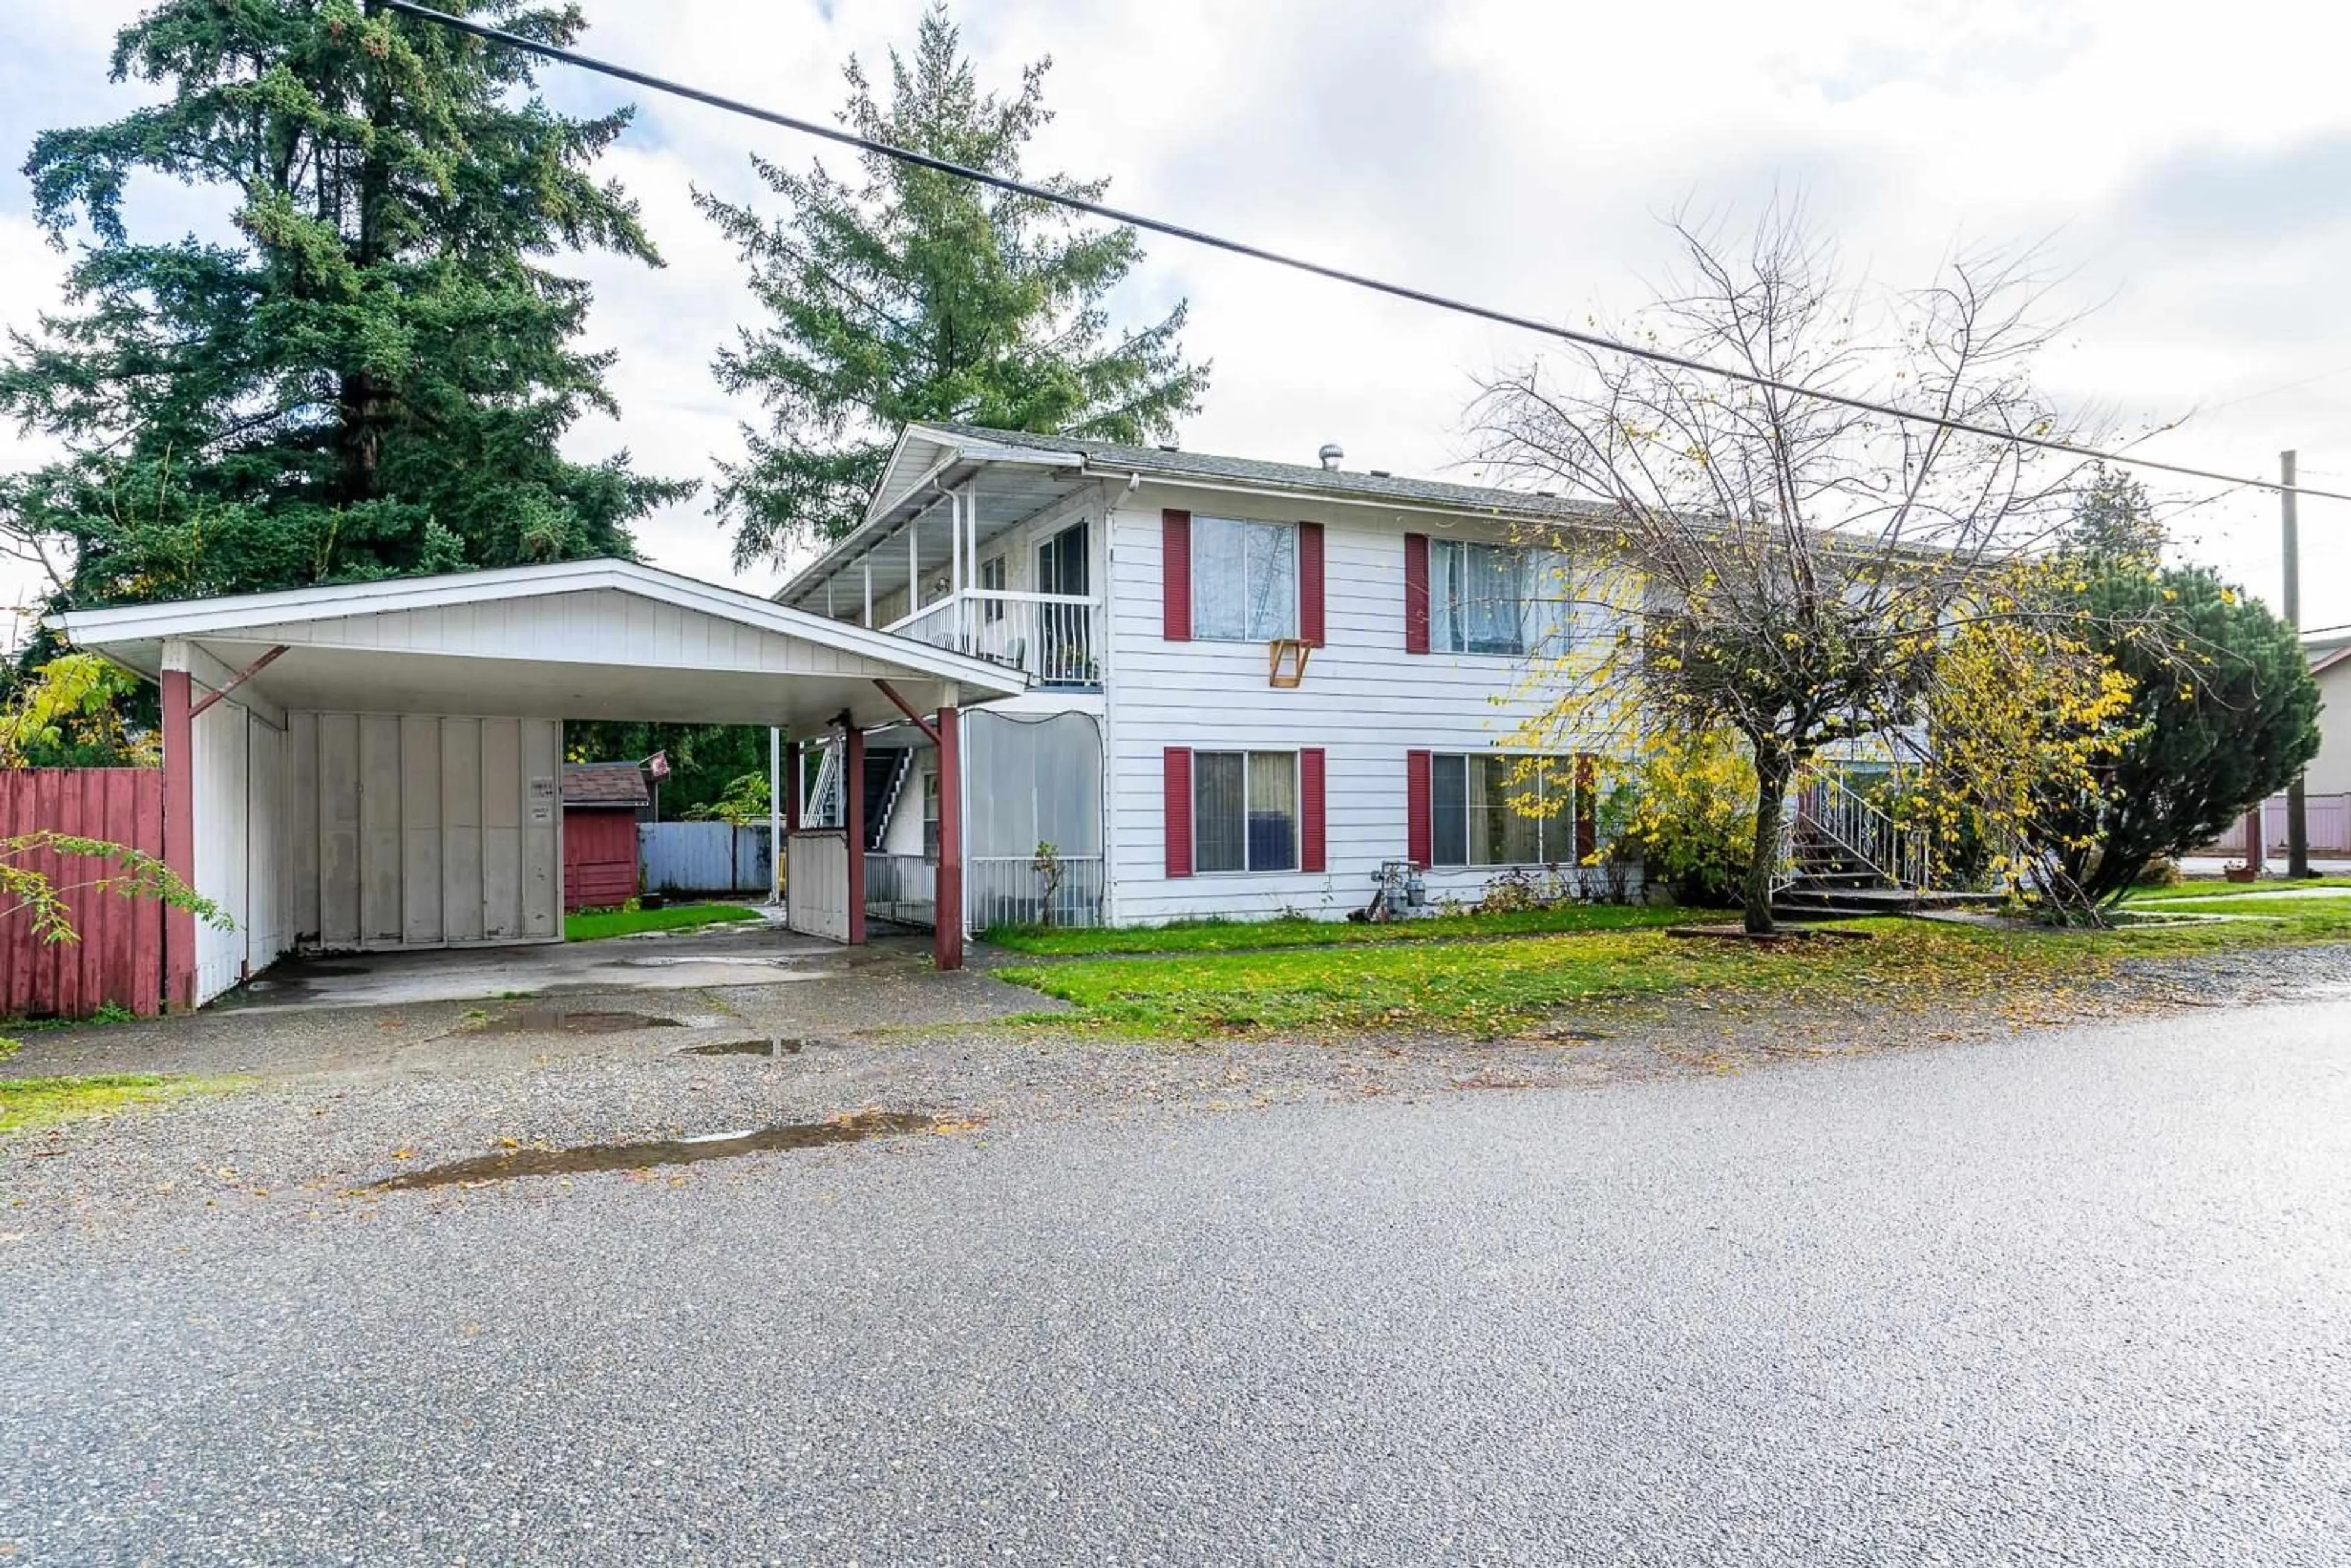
(991, 580)
(1243, 579)
(1495, 599)
(1476, 814)
(1244, 810)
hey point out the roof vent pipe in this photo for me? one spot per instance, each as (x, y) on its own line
(1331, 454)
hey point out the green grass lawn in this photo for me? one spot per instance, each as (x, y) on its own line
(1505, 984)
(1237, 936)
(595, 924)
(2207, 888)
(40, 1102)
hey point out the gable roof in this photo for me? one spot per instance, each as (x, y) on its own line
(1115, 460)
(592, 639)
(604, 784)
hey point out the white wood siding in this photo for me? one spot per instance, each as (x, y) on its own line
(239, 774)
(1364, 701)
(605, 626)
(220, 734)
(422, 830)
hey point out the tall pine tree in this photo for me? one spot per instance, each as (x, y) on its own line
(372, 376)
(916, 295)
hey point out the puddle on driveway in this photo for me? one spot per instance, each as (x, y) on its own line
(774, 1045)
(560, 1021)
(852, 1127)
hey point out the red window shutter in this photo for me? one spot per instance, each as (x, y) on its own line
(1310, 583)
(1179, 811)
(1587, 808)
(1416, 596)
(1416, 833)
(1313, 854)
(1175, 583)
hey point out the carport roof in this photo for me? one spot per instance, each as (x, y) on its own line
(584, 640)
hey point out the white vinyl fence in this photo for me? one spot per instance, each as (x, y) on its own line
(704, 857)
(2329, 817)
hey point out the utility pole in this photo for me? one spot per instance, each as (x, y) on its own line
(2297, 823)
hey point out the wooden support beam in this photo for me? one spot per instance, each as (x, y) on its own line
(946, 900)
(925, 726)
(235, 681)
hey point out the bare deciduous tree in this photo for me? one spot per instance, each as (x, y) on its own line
(1785, 567)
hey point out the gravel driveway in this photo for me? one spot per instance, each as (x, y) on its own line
(2073, 1296)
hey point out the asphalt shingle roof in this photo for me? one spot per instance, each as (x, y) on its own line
(604, 784)
(1154, 462)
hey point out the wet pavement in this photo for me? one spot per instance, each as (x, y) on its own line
(2070, 1296)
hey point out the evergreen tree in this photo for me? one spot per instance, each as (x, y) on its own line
(2113, 520)
(372, 376)
(2224, 714)
(916, 295)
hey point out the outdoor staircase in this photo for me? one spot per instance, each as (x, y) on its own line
(885, 780)
(1841, 855)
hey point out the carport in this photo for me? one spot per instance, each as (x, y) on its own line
(378, 766)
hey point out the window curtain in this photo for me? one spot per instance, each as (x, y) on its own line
(1501, 834)
(1449, 810)
(1273, 811)
(1550, 608)
(1220, 813)
(1478, 595)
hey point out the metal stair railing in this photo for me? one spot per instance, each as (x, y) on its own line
(1851, 820)
(879, 828)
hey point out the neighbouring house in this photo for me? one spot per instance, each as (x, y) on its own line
(600, 802)
(2329, 772)
(2327, 782)
(1251, 685)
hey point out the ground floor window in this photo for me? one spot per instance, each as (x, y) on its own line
(1244, 810)
(1479, 806)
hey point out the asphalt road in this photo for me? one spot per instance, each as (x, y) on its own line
(2080, 1298)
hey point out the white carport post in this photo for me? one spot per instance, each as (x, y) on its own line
(774, 815)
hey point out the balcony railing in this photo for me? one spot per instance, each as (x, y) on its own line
(1050, 636)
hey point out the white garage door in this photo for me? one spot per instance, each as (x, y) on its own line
(423, 830)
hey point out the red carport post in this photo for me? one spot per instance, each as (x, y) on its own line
(947, 903)
(852, 814)
(178, 828)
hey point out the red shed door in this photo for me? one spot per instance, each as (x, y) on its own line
(600, 857)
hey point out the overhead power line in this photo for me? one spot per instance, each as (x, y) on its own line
(1593, 341)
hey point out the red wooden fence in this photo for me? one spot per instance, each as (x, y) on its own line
(119, 956)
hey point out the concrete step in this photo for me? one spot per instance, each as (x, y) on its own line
(1801, 902)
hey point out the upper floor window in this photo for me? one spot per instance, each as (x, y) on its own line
(1495, 599)
(1243, 579)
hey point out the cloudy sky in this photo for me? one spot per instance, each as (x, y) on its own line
(2188, 172)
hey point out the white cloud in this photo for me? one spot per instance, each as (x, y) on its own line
(1519, 151)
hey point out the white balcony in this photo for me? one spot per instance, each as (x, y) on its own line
(1050, 636)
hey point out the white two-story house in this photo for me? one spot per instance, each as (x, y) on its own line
(1252, 685)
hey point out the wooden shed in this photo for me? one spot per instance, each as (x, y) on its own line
(601, 801)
